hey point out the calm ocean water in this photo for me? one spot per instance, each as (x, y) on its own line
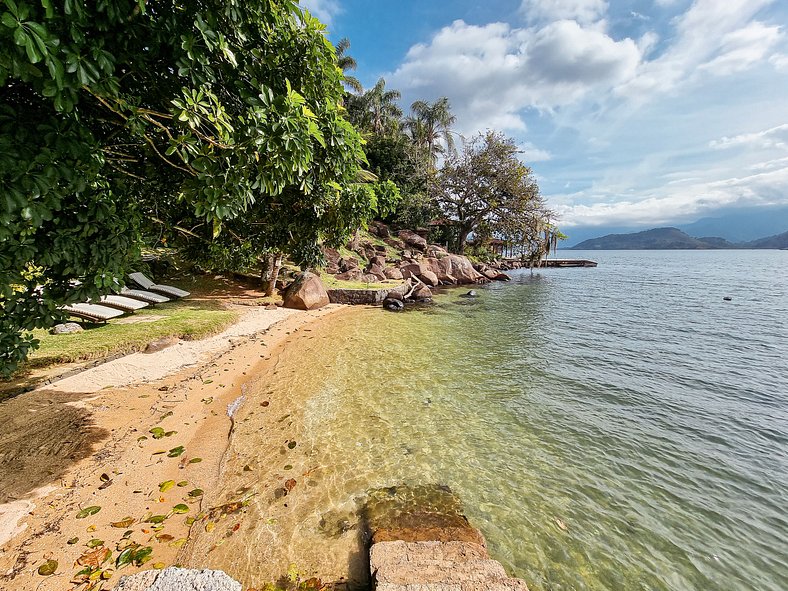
(616, 428)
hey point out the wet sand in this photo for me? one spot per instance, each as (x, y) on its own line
(149, 455)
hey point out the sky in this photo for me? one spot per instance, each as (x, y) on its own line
(634, 113)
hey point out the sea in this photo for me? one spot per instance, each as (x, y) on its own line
(623, 427)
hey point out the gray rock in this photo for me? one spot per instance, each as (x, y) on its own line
(66, 328)
(393, 305)
(470, 294)
(178, 579)
(160, 344)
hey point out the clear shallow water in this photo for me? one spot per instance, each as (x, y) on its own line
(613, 428)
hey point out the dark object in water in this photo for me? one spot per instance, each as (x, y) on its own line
(728, 298)
(393, 305)
(470, 294)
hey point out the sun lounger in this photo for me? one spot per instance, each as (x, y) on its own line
(146, 283)
(144, 296)
(92, 312)
(123, 303)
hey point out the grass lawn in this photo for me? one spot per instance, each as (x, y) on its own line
(187, 319)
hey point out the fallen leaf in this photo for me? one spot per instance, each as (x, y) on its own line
(176, 451)
(290, 484)
(178, 543)
(164, 538)
(156, 519)
(104, 477)
(88, 511)
(180, 508)
(291, 445)
(166, 485)
(157, 432)
(94, 558)
(95, 543)
(183, 483)
(48, 568)
(72, 541)
(197, 492)
(123, 523)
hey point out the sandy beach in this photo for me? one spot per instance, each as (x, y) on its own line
(122, 457)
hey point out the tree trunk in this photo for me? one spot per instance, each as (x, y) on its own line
(269, 272)
(461, 238)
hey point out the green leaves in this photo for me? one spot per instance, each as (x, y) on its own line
(88, 511)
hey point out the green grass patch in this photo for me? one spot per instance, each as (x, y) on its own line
(187, 319)
(331, 282)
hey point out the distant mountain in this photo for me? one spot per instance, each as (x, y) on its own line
(778, 241)
(656, 239)
(741, 225)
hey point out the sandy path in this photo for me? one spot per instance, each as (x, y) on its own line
(138, 423)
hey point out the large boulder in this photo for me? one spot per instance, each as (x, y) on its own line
(412, 239)
(422, 294)
(461, 269)
(392, 273)
(492, 274)
(433, 250)
(306, 293)
(430, 278)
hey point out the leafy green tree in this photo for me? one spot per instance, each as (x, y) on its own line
(376, 111)
(487, 187)
(112, 112)
(429, 125)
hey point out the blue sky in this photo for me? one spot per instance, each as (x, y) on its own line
(638, 113)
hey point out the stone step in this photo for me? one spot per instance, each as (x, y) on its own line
(440, 571)
(505, 585)
(387, 553)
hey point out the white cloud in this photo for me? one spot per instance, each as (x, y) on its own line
(491, 72)
(710, 35)
(324, 10)
(530, 153)
(742, 48)
(775, 137)
(692, 199)
(779, 61)
(582, 11)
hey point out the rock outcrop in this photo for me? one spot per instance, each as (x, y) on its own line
(412, 239)
(421, 541)
(306, 293)
(178, 579)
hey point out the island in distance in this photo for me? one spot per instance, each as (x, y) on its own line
(674, 239)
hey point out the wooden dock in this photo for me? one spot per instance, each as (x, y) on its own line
(558, 263)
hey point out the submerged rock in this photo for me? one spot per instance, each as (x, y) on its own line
(393, 305)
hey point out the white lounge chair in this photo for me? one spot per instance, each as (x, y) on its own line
(123, 303)
(144, 296)
(146, 283)
(92, 312)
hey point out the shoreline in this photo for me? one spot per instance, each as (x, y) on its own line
(139, 436)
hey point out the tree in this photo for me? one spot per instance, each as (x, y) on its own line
(429, 124)
(114, 110)
(376, 111)
(347, 63)
(487, 185)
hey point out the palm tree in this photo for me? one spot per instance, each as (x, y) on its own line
(381, 108)
(431, 123)
(347, 63)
